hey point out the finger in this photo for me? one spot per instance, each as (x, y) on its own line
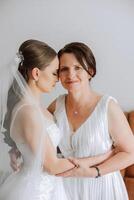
(75, 162)
(14, 166)
(70, 173)
(61, 174)
(66, 174)
(71, 159)
(13, 159)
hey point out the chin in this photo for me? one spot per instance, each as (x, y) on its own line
(73, 86)
(73, 89)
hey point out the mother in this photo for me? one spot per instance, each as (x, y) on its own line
(91, 124)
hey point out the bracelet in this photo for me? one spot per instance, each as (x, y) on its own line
(98, 171)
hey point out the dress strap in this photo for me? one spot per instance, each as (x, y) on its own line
(108, 99)
(104, 115)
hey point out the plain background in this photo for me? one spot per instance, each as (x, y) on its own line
(107, 26)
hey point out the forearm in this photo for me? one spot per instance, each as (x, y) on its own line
(59, 166)
(119, 161)
(95, 160)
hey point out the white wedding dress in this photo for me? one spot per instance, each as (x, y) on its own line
(31, 182)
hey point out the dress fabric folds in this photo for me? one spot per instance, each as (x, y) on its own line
(90, 139)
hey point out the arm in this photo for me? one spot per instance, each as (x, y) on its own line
(95, 160)
(51, 163)
(123, 138)
(52, 106)
(83, 165)
(61, 162)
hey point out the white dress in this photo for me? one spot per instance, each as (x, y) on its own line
(30, 183)
(91, 139)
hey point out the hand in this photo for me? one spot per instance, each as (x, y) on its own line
(14, 155)
(81, 170)
(93, 160)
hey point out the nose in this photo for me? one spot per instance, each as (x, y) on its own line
(71, 73)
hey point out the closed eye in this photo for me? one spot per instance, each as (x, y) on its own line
(56, 72)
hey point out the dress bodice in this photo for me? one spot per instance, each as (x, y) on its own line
(91, 138)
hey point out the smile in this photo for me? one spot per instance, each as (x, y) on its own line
(71, 82)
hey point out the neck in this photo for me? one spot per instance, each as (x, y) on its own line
(80, 98)
(82, 101)
(35, 93)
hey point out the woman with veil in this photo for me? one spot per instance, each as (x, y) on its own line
(33, 72)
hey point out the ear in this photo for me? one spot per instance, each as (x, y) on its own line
(35, 73)
(91, 73)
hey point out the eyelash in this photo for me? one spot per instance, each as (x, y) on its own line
(55, 74)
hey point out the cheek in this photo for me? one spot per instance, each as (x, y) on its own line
(62, 80)
(62, 77)
(84, 76)
(46, 78)
(44, 81)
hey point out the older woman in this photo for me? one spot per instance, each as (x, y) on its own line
(91, 124)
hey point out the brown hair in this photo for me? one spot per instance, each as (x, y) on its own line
(83, 54)
(34, 53)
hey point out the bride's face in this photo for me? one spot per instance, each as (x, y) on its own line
(49, 76)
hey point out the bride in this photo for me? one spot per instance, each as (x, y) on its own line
(32, 128)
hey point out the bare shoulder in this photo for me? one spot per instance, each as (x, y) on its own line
(117, 121)
(28, 122)
(51, 108)
(114, 109)
(28, 110)
(28, 115)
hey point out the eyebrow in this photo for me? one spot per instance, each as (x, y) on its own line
(63, 66)
(68, 66)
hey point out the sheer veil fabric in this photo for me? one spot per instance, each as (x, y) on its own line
(14, 96)
(7, 76)
(17, 107)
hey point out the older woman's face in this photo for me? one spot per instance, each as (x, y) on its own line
(72, 75)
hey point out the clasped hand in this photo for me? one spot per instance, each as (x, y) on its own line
(81, 169)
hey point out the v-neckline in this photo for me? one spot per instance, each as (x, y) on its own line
(73, 133)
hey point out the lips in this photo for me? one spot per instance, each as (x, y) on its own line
(71, 82)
